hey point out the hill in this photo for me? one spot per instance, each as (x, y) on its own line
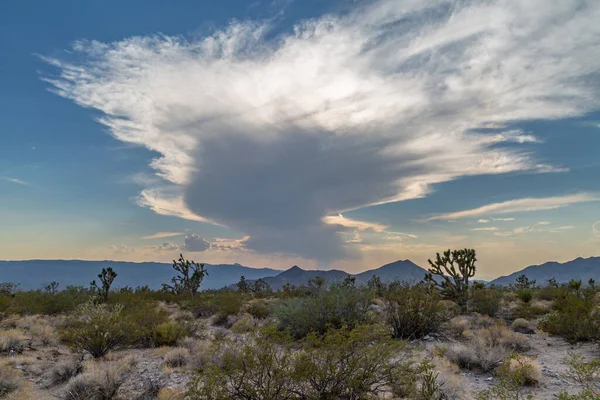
(400, 270)
(579, 268)
(33, 274)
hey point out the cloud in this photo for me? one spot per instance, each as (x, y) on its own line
(121, 249)
(543, 223)
(521, 205)
(352, 223)
(267, 134)
(161, 235)
(483, 221)
(195, 242)
(503, 219)
(167, 246)
(490, 229)
(17, 181)
(563, 228)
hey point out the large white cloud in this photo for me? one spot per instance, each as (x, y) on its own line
(269, 135)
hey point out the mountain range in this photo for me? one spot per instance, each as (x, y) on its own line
(33, 274)
(579, 268)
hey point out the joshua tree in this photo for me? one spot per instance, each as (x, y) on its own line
(349, 281)
(316, 283)
(523, 282)
(189, 279)
(592, 284)
(454, 268)
(107, 276)
(242, 285)
(552, 282)
(260, 286)
(375, 285)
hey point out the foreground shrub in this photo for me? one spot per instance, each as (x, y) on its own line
(525, 295)
(342, 364)
(64, 371)
(177, 357)
(339, 306)
(574, 319)
(516, 373)
(228, 304)
(97, 329)
(414, 311)
(487, 348)
(521, 325)
(12, 339)
(587, 374)
(9, 383)
(146, 317)
(97, 385)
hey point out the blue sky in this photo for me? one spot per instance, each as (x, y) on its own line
(318, 133)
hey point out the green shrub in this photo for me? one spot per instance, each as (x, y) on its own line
(145, 316)
(516, 373)
(573, 318)
(259, 309)
(413, 311)
(525, 295)
(97, 329)
(168, 333)
(228, 303)
(8, 382)
(339, 306)
(342, 364)
(485, 301)
(527, 311)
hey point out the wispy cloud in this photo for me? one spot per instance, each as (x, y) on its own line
(521, 205)
(391, 100)
(543, 223)
(491, 229)
(352, 223)
(503, 219)
(161, 235)
(17, 181)
(483, 221)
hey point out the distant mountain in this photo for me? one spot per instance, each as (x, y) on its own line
(579, 268)
(33, 274)
(400, 270)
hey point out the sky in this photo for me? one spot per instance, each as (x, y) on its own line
(325, 134)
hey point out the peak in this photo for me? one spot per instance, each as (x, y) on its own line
(295, 268)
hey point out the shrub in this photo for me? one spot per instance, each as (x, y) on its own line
(525, 295)
(97, 329)
(342, 363)
(168, 333)
(587, 374)
(458, 325)
(228, 304)
(64, 371)
(259, 309)
(515, 373)
(12, 339)
(177, 357)
(413, 311)
(529, 311)
(9, 382)
(145, 316)
(100, 385)
(339, 306)
(486, 301)
(574, 319)
(521, 325)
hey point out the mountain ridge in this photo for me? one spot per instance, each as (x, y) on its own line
(578, 268)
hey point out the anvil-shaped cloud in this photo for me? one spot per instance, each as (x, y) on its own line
(270, 134)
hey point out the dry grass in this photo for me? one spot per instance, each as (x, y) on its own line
(521, 325)
(9, 382)
(12, 339)
(246, 323)
(101, 380)
(486, 348)
(458, 325)
(64, 371)
(528, 368)
(170, 394)
(177, 357)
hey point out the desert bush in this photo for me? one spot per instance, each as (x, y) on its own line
(587, 374)
(354, 364)
(64, 371)
(574, 318)
(12, 339)
(97, 385)
(168, 333)
(97, 329)
(521, 325)
(414, 311)
(525, 295)
(145, 317)
(341, 364)
(259, 309)
(177, 357)
(516, 373)
(339, 306)
(458, 325)
(486, 348)
(9, 382)
(485, 301)
(228, 304)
